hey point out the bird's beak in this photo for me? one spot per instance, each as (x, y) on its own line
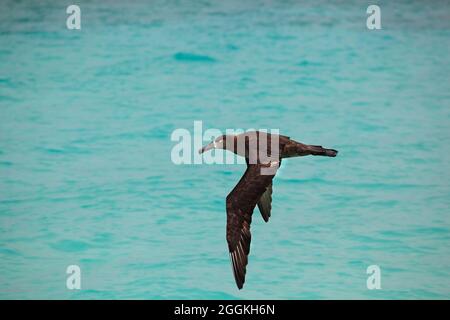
(207, 147)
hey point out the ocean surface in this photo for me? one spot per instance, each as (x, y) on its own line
(86, 176)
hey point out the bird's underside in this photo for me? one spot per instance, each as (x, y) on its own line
(255, 189)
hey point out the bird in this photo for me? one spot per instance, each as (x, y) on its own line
(263, 153)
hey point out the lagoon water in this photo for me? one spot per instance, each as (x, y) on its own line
(86, 176)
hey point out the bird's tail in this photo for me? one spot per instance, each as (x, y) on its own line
(320, 151)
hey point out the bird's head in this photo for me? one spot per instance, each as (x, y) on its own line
(219, 143)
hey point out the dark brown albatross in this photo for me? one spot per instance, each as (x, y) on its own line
(255, 187)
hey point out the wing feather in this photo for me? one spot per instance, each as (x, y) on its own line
(265, 203)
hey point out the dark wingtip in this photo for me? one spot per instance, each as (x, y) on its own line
(239, 282)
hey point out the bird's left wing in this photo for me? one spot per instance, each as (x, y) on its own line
(240, 205)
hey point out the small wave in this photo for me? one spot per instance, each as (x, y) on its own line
(191, 57)
(70, 246)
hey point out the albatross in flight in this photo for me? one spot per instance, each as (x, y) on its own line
(263, 153)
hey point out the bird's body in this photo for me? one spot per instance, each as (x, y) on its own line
(263, 153)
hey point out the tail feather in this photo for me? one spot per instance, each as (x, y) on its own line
(321, 151)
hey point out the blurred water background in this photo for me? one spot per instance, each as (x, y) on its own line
(86, 176)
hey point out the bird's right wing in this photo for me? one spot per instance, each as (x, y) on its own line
(265, 203)
(240, 205)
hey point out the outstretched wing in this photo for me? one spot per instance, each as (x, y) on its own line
(240, 205)
(265, 202)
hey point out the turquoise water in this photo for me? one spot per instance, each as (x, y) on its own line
(86, 176)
